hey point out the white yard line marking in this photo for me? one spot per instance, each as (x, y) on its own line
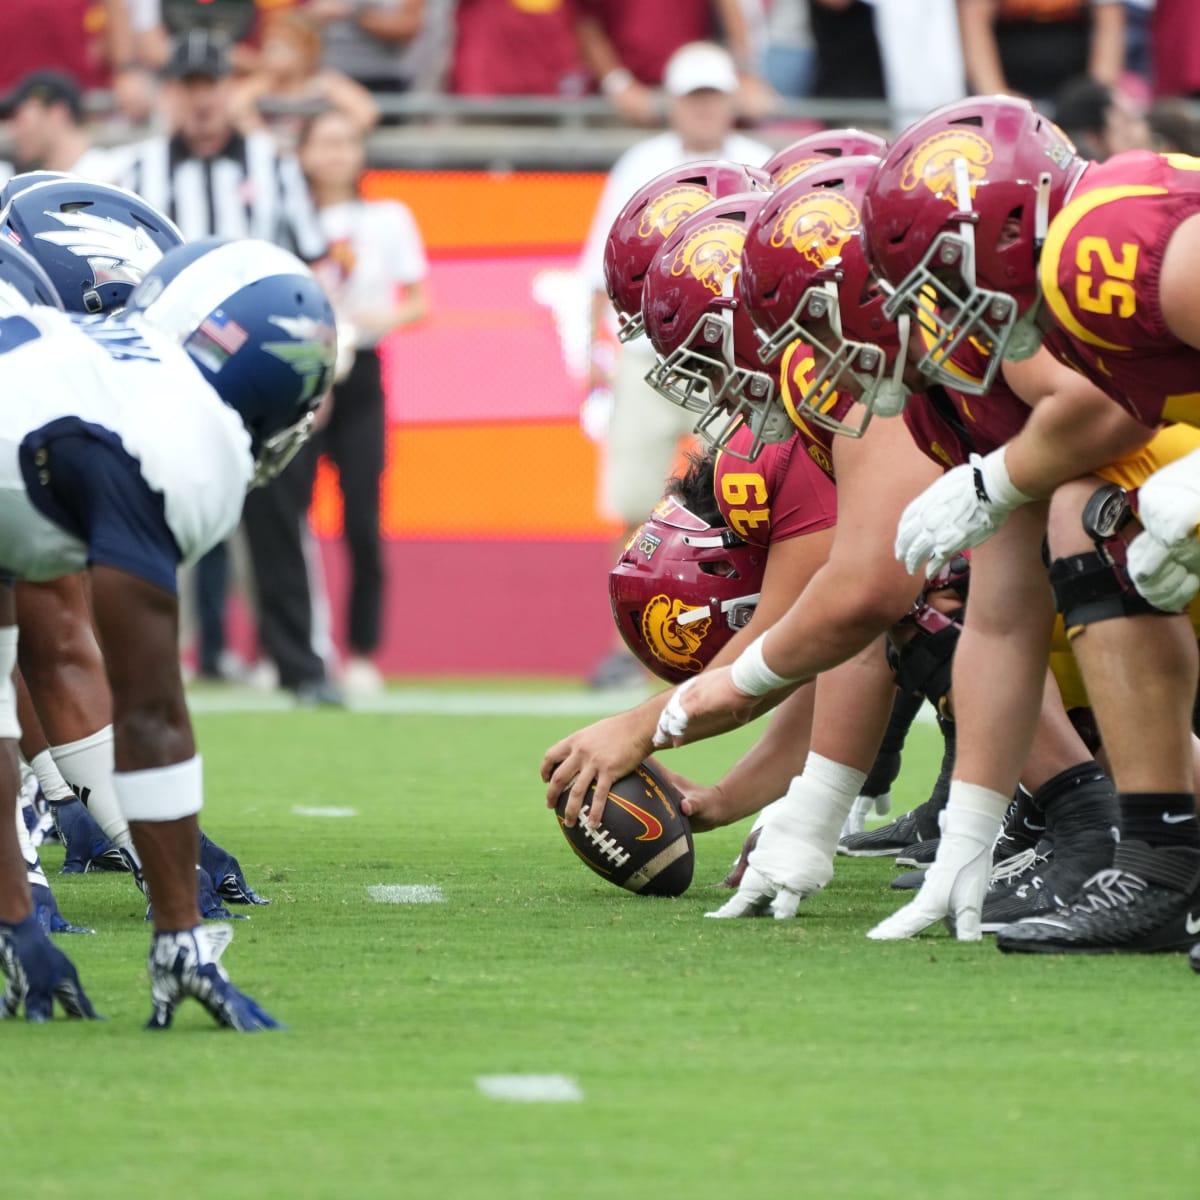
(531, 1089)
(306, 810)
(406, 893)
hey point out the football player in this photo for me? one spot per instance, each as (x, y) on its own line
(995, 235)
(92, 243)
(130, 443)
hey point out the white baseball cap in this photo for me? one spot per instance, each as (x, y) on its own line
(699, 66)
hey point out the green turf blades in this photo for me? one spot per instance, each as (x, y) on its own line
(716, 1059)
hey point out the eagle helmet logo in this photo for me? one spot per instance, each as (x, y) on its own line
(712, 254)
(669, 641)
(932, 163)
(817, 225)
(663, 214)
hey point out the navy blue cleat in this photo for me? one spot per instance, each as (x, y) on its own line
(87, 847)
(37, 973)
(45, 909)
(227, 874)
(187, 963)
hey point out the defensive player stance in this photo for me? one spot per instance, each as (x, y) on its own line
(126, 447)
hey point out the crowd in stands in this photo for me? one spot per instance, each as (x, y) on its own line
(302, 54)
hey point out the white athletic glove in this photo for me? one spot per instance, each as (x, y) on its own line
(963, 508)
(794, 856)
(955, 885)
(856, 821)
(1164, 561)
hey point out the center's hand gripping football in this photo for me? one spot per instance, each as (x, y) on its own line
(960, 510)
(1164, 560)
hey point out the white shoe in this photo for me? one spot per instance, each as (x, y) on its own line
(361, 678)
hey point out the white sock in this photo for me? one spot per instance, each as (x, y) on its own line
(973, 811)
(33, 864)
(87, 765)
(54, 787)
(819, 800)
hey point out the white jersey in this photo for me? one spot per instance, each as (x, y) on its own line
(128, 385)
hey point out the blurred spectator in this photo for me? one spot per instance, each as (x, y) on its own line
(1175, 48)
(644, 431)
(1033, 47)
(45, 114)
(789, 59)
(921, 53)
(214, 180)
(1175, 128)
(1138, 15)
(375, 42)
(514, 48)
(374, 272)
(626, 45)
(90, 40)
(848, 63)
(289, 70)
(1100, 120)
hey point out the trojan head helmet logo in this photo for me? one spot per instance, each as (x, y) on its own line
(817, 225)
(669, 641)
(788, 173)
(712, 254)
(932, 163)
(668, 208)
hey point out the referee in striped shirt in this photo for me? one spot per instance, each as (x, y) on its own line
(214, 181)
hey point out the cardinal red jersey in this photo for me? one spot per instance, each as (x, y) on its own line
(1099, 274)
(781, 494)
(796, 377)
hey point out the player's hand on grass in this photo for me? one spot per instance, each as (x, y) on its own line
(37, 973)
(782, 869)
(955, 885)
(601, 753)
(185, 963)
(701, 707)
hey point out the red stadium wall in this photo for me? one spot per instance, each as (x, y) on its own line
(496, 557)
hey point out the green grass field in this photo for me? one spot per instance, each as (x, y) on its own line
(716, 1059)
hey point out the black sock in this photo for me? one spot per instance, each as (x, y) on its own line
(1160, 818)
(887, 762)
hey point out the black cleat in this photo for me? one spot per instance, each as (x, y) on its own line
(920, 854)
(909, 881)
(918, 825)
(1048, 882)
(1147, 901)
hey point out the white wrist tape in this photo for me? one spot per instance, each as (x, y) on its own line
(998, 490)
(10, 727)
(161, 793)
(750, 673)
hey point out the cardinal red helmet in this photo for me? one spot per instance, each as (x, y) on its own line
(651, 215)
(805, 278)
(682, 589)
(707, 347)
(955, 219)
(815, 148)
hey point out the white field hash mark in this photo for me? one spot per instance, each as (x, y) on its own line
(304, 810)
(531, 1089)
(406, 893)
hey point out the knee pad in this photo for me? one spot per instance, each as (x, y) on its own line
(10, 726)
(1093, 587)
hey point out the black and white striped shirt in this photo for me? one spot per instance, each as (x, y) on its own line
(249, 189)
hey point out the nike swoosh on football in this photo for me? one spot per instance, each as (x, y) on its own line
(1192, 925)
(1170, 820)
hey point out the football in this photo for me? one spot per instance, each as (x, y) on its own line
(644, 843)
